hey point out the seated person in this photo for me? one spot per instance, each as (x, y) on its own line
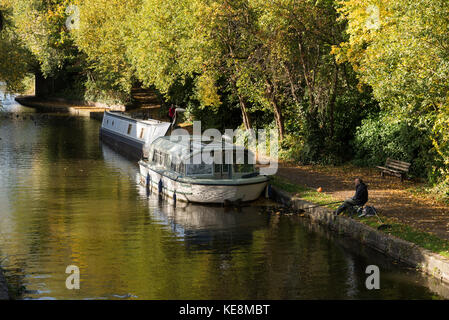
(359, 199)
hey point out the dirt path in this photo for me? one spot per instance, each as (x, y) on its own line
(389, 195)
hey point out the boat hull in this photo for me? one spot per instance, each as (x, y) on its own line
(128, 147)
(202, 192)
(129, 136)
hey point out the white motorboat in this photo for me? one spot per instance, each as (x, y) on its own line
(175, 167)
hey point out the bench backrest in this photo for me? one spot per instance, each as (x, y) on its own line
(397, 165)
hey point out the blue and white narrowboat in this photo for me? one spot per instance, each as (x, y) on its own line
(129, 135)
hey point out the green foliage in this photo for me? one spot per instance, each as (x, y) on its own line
(403, 57)
(225, 115)
(13, 57)
(383, 136)
(104, 28)
(13, 62)
(310, 142)
(101, 91)
(39, 25)
(162, 47)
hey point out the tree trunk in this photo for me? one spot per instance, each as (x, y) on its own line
(245, 116)
(332, 102)
(278, 117)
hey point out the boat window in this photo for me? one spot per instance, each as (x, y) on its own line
(217, 168)
(167, 160)
(141, 133)
(243, 168)
(157, 157)
(107, 121)
(112, 122)
(199, 169)
(129, 128)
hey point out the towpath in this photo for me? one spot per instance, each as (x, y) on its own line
(394, 199)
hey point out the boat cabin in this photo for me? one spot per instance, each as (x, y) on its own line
(125, 126)
(190, 157)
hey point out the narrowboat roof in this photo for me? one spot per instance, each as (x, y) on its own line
(129, 118)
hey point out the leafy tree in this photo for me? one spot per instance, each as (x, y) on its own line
(162, 47)
(399, 48)
(229, 31)
(14, 59)
(104, 28)
(39, 25)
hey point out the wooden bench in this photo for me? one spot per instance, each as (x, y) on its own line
(395, 168)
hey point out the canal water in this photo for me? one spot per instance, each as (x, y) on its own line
(67, 199)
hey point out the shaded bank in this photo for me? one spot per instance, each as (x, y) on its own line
(65, 106)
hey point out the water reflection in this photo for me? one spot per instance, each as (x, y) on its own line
(9, 105)
(204, 227)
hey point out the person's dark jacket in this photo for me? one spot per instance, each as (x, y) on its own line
(361, 194)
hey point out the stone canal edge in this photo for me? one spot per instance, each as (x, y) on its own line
(400, 250)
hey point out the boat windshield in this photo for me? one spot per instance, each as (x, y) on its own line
(199, 169)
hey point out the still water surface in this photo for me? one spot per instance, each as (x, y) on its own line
(67, 199)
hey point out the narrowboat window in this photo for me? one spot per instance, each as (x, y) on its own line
(112, 122)
(129, 128)
(141, 133)
(107, 121)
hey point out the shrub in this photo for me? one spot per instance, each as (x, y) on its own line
(380, 137)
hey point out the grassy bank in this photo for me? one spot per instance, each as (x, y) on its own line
(423, 239)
